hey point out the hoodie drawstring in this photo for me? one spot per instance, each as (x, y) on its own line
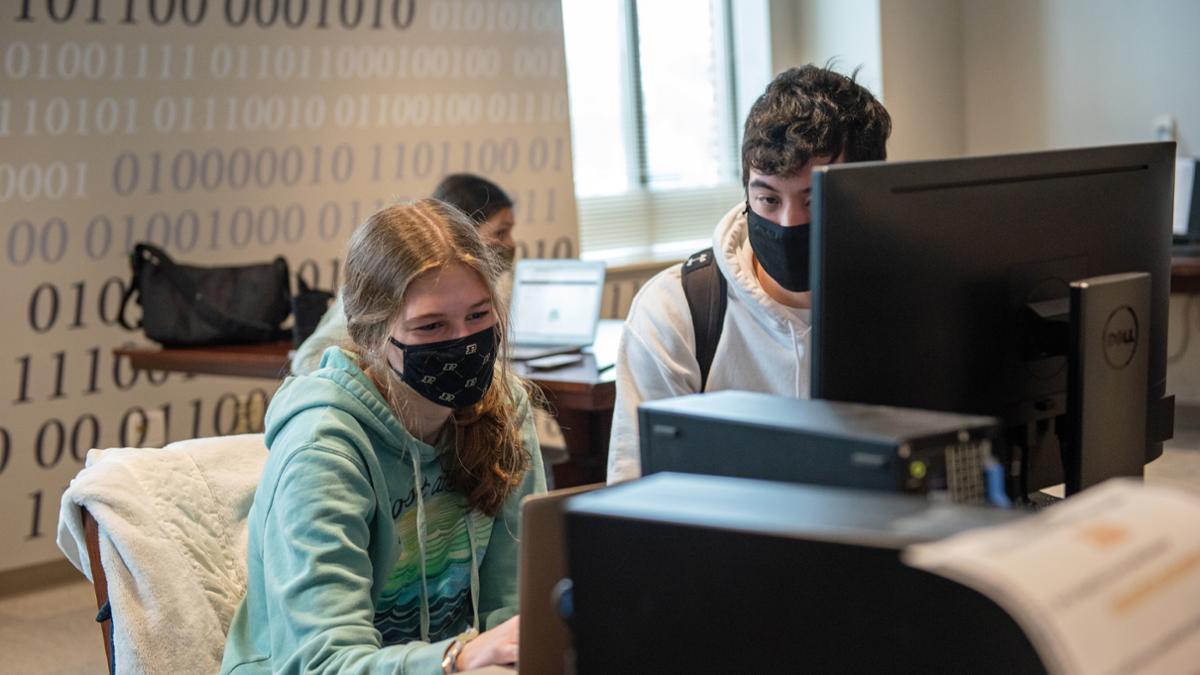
(474, 571)
(796, 354)
(796, 348)
(421, 534)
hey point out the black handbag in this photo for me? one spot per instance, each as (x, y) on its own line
(189, 306)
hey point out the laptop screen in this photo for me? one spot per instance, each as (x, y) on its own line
(1186, 202)
(556, 301)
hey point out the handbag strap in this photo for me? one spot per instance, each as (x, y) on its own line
(212, 315)
(136, 260)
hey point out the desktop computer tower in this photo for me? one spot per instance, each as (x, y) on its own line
(680, 573)
(745, 434)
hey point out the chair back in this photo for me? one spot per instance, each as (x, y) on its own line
(164, 534)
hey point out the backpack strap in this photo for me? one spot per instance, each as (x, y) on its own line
(706, 293)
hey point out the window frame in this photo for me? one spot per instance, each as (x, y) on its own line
(647, 223)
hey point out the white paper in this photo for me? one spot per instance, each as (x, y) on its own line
(1106, 582)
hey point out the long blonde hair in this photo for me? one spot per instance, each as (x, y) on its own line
(386, 253)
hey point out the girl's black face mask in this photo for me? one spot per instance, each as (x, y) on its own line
(452, 373)
(782, 251)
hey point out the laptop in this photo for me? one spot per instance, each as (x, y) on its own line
(1185, 228)
(544, 640)
(555, 307)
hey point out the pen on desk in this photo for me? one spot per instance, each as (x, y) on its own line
(601, 369)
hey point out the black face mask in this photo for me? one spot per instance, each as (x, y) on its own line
(506, 254)
(452, 373)
(782, 251)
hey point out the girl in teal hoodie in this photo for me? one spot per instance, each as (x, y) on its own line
(383, 536)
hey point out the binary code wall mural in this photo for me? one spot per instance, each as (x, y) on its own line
(229, 132)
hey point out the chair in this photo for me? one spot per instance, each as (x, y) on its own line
(162, 535)
(91, 533)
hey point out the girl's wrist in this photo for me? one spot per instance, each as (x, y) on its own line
(452, 660)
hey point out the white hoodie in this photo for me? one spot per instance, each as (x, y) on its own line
(763, 346)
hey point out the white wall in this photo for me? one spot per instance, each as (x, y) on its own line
(981, 76)
(922, 47)
(910, 54)
(1058, 73)
(815, 31)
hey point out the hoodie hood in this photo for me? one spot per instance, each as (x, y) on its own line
(340, 383)
(732, 246)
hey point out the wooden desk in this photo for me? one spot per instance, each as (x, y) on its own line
(1185, 275)
(266, 361)
(581, 396)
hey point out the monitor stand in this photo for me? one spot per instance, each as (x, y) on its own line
(1107, 357)
(1102, 328)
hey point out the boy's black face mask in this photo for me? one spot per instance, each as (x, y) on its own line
(782, 251)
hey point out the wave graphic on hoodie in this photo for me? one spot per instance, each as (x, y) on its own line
(448, 616)
(447, 569)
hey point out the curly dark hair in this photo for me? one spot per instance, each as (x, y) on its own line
(812, 111)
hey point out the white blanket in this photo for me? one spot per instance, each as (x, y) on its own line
(172, 527)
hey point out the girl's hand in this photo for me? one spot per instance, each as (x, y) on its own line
(497, 646)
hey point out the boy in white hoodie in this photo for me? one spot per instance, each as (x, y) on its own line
(807, 117)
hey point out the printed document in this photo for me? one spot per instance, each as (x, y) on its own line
(1105, 582)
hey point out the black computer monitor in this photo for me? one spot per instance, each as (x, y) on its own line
(927, 276)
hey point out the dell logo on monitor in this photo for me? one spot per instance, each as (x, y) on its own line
(1120, 337)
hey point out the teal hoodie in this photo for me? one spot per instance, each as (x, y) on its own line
(351, 568)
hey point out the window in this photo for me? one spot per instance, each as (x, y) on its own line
(654, 123)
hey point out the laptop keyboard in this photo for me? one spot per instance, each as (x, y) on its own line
(527, 352)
